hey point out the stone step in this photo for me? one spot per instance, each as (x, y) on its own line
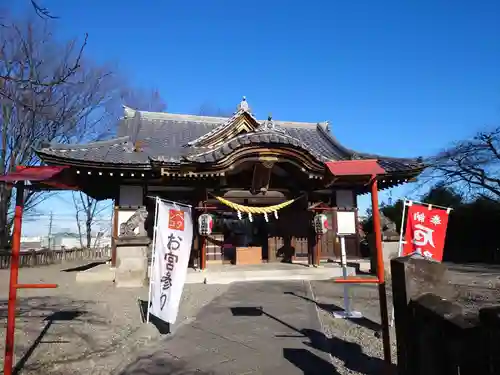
(238, 275)
(100, 273)
(230, 274)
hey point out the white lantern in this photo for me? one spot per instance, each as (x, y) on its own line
(205, 224)
(320, 224)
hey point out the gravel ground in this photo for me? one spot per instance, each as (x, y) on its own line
(354, 347)
(95, 328)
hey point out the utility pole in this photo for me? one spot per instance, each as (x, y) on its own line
(50, 230)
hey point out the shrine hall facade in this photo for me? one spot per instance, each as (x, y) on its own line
(209, 161)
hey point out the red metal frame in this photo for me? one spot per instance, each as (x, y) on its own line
(22, 174)
(380, 279)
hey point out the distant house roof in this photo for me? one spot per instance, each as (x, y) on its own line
(146, 138)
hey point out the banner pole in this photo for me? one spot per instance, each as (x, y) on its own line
(403, 217)
(167, 201)
(347, 305)
(347, 313)
(153, 255)
(431, 204)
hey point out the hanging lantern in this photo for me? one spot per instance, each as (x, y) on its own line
(320, 224)
(205, 224)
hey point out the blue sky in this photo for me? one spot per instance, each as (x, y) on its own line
(399, 78)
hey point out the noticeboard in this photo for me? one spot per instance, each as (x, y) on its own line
(346, 223)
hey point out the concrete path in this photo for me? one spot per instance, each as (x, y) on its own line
(253, 328)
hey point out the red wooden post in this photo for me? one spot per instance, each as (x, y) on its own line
(317, 250)
(384, 313)
(14, 272)
(203, 253)
(13, 285)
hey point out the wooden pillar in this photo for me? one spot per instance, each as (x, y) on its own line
(311, 246)
(317, 250)
(203, 252)
(384, 313)
(114, 236)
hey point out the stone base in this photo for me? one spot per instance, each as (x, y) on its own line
(101, 273)
(131, 262)
(389, 252)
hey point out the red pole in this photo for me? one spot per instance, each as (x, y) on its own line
(36, 286)
(317, 250)
(384, 313)
(14, 271)
(356, 280)
(203, 253)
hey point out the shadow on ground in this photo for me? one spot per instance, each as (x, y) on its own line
(84, 267)
(331, 308)
(42, 318)
(156, 365)
(162, 327)
(59, 316)
(351, 354)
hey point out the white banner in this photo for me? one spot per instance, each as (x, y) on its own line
(171, 251)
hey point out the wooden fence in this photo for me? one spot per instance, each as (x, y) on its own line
(438, 331)
(48, 257)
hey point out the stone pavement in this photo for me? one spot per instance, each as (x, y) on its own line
(253, 328)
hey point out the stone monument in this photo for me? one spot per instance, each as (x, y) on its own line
(132, 248)
(390, 242)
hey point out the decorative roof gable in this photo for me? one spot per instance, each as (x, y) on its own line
(243, 121)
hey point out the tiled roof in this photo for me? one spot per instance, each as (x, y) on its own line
(144, 137)
(212, 155)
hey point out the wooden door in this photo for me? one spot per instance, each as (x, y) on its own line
(288, 236)
(328, 242)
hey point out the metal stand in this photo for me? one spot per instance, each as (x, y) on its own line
(347, 313)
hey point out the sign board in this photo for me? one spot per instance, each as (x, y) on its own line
(172, 248)
(346, 223)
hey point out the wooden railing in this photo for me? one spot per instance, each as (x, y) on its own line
(48, 257)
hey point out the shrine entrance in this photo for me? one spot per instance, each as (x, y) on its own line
(271, 234)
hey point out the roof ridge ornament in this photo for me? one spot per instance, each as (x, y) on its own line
(243, 106)
(270, 126)
(128, 112)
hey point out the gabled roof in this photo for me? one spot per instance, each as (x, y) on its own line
(173, 139)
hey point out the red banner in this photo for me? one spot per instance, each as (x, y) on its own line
(425, 231)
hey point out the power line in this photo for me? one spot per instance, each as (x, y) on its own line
(50, 228)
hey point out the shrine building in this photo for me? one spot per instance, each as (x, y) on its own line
(225, 167)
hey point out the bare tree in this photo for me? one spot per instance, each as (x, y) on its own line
(41, 11)
(87, 212)
(25, 69)
(143, 100)
(88, 209)
(44, 96)
(471, 166)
